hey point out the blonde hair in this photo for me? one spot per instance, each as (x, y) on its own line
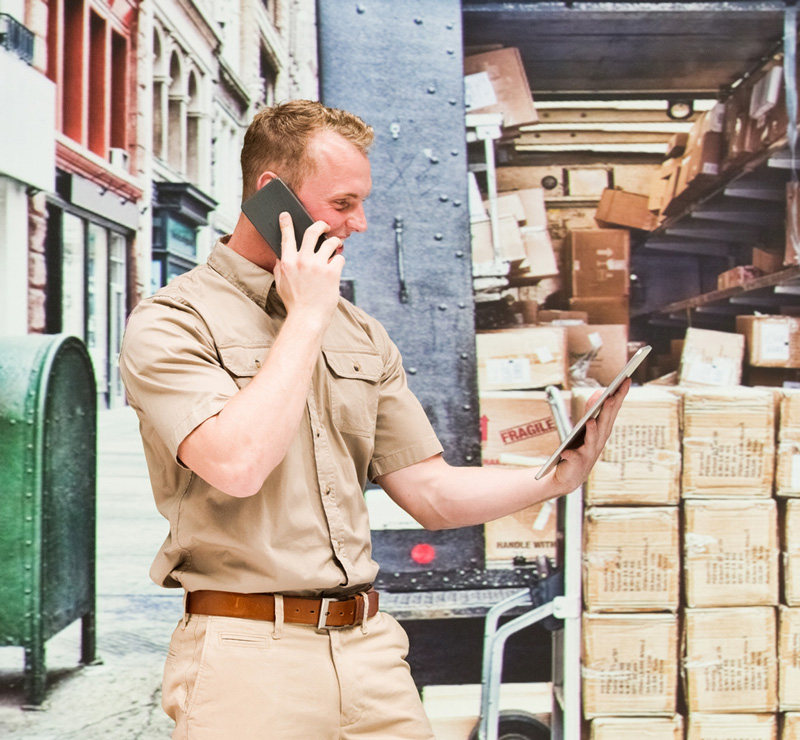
(278, 140)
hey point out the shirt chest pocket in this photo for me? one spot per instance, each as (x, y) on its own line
(353, 383)
(242, 363)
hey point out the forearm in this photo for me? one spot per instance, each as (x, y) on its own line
(238, 448)
(445, 497)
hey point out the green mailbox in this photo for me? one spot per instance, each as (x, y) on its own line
(48, 491)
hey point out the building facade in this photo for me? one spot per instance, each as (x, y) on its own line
(120, 168)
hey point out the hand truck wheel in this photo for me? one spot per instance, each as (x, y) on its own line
(517, 725)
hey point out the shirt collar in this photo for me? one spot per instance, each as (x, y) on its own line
(254, 281)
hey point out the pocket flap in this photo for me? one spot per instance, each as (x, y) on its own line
(243, 362)
(350, 364)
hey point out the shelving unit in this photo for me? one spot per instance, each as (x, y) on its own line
(742, 209)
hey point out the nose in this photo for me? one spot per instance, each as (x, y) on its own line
(357, 220)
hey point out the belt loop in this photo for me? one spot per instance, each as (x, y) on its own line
(277, 630)
(186, 615)
(364, 599)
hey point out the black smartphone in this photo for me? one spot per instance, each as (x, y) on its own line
(264, 208)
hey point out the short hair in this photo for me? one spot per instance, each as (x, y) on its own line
(278, 138)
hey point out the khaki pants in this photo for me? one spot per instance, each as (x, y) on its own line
(241, 679)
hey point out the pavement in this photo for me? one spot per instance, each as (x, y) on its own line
(118, 698)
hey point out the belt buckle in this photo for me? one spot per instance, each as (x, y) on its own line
(324, 602)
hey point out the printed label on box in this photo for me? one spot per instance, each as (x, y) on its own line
(619, 265)
(775, 341)
(479, 91)
(509, 370)
(717, 372)
(544, 354)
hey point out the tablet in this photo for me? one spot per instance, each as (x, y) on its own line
(575, 436)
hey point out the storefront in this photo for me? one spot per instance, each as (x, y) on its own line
(90, 235)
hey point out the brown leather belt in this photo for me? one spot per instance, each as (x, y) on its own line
(322, 613)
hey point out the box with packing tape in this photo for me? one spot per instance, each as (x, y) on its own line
(787, 463)
(631, 558)
(790, 547)
(729, 726)
(495, 82)
(728, 442)
(637, 728)
(771, 341)
(731, 553)
(620, 208)
(522, 359)
(711, 358)
(730, 661)
(641, 462)
(789, 659)
(630, 664)
(790, 726)
(597, 263)
(522, 537)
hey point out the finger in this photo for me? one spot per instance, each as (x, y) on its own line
(312, 235)
(288, 243)
(328, 248)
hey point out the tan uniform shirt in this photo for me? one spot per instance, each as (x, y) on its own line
(190, 348)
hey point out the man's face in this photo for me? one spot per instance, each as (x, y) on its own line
(336, 191)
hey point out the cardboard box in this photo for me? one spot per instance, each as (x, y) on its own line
(676, 145)
(495, 82)
(737, 276)
(767, 261)
(787, 463)
(522, 359)
(788, 658)
(790, 726)
(522, 537)
(728, 443)
(738, 145)
(534, 207)
(597, 263)
(596, 351)
(620, 208)
(711, 358)
(730, 659)
(603, 310)
(771, 341)
(790, 546)
(518, 427)
(641, 462)
(658, 188)
(630, 664)
(637, 728)
(631, 559)
(511, 249)
(540, 259)
(729, 726)
(731, 552)
(562, 318)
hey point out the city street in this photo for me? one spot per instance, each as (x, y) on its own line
(119, 698)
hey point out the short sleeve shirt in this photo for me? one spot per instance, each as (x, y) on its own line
(191, 347)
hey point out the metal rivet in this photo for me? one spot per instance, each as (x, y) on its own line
(444, 198)
(457, 203)
(455, 152)
(461, 304)
(442, 306)
(451, 51)
(449, 26)
(412, 371)
(438, 237)
(418, 21)
(459, 254)
(434, 159)
(452, 101)
(360, 9)
(466, 407)
(464, 356)
(431, 90)
(468, 458)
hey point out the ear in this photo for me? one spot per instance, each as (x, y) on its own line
(264, 178)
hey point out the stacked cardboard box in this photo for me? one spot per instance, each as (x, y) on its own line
(518, 430)
(629, 210)
(787, 465)
(597, 273)
(631, 571)
(729, 658)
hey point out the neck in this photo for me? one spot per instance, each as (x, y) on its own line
(247, 242)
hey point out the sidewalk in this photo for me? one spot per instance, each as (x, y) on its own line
(119, 699)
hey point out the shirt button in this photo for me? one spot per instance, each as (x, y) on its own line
(356, 367)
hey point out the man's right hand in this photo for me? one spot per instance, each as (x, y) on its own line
(308, 281)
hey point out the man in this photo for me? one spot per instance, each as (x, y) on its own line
(265, 403)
